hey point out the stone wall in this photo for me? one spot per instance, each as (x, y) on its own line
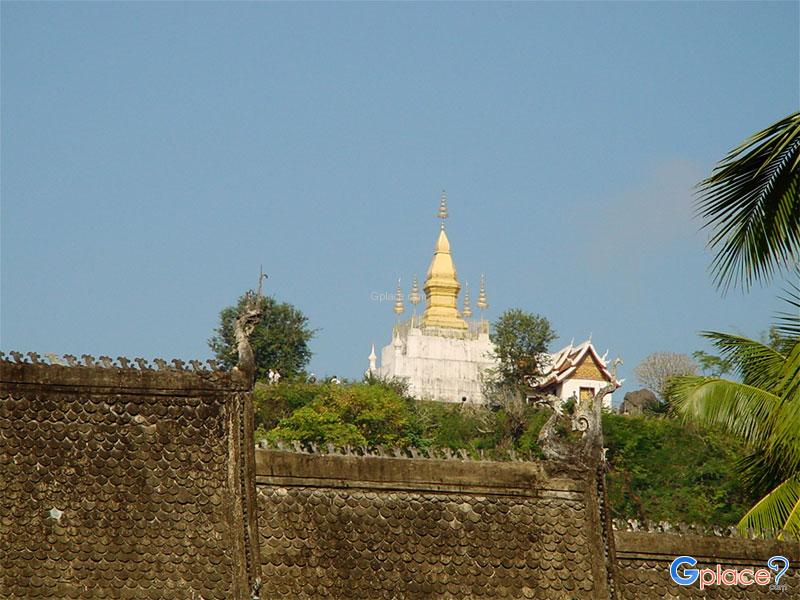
(120, 482)
(643, 561)
(123, 482)
(364, 527)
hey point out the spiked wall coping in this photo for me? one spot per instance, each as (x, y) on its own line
(124, 482)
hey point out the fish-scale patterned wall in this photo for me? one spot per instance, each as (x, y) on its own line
(643, 562)
(121, 492)
(378, 527)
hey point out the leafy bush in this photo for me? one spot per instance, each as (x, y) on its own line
(359, 414)
(662, 469)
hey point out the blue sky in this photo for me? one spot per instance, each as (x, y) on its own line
(154, 155)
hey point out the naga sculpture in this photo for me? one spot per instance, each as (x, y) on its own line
(250, 313)
(556, 436)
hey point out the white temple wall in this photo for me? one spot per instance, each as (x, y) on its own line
(573, 386)
(441, 368)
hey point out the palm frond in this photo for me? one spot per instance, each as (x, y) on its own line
(751, 204)
(776, 512)
(788, 380)
(784, 441)
(788, 322)
(760, 473)
(744, 410)
(758, 364)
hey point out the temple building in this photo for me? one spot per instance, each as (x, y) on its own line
(444, 354)
(577, 372)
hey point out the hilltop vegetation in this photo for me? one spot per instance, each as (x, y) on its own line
(660, 468)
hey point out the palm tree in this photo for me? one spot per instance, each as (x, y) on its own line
(764, 410)
(752, 206)
(751, 203)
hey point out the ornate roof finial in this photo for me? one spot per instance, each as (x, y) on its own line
(467, 312)
(399, 308)
(482, 303)
(413, 296)
(443, 207)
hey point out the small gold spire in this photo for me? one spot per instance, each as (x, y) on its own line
(413, 296)
(482, 303)
(467, 312)
(398, 300)
(443, 207)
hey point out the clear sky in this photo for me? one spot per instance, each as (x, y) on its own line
(154, 155)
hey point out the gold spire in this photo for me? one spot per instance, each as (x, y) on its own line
(413, 296)
(443, 207)
(441, 284)
(467, 312)
(482, 303)
(398, 300)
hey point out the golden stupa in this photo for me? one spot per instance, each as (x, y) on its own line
(441, 284)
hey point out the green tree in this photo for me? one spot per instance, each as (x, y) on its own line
(280, 341)
(520, 339)
(763, 409)
(711, 364)
(314, 424)
(752, 206)
(662, 470)
(777, 340)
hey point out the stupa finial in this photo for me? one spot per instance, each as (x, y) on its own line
(467, 312)
(443, 207)
(482, 303)
(413, 296)
(399, 308)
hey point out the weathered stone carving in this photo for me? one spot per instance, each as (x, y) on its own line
(584, 417)
(249, 316)
(53, 358)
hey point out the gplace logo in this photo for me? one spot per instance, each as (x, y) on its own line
(706, 577)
